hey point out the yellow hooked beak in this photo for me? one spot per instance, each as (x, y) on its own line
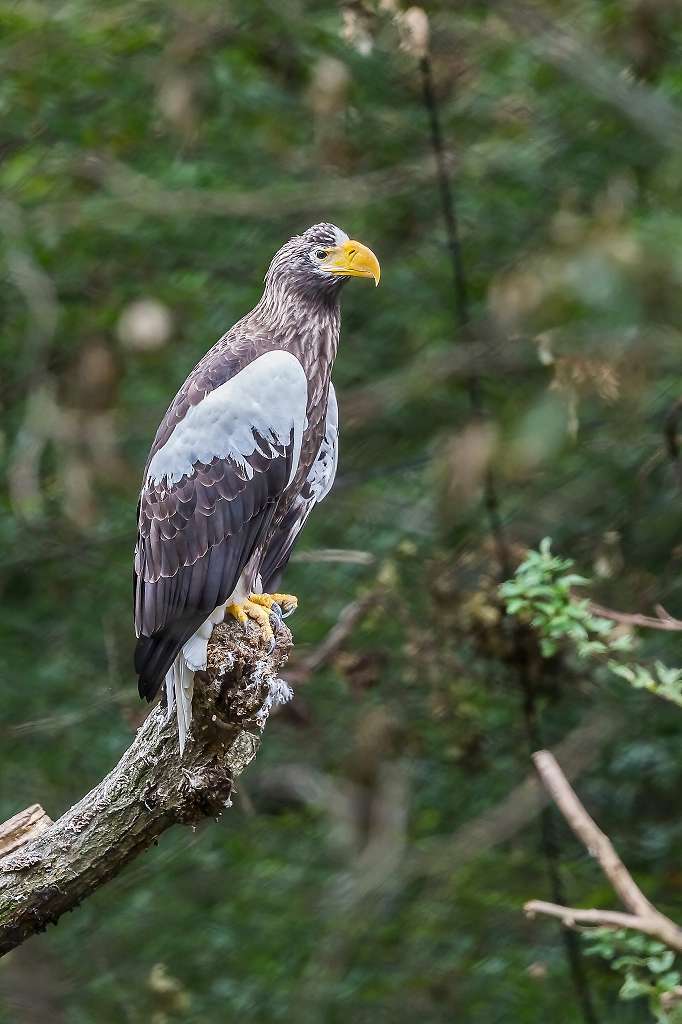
(352, 259)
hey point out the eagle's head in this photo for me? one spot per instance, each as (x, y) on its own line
(320, 260)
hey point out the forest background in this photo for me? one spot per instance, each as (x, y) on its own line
(154, 155)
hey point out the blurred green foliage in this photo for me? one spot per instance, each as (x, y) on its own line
(647, 967)
(154, 156)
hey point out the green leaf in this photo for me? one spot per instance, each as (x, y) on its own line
(633, 988)
(661, 963)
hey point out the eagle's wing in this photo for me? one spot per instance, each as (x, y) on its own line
(316, 487)
(228, 448)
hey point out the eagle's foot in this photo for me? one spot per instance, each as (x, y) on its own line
(251, 610)
(280, 604)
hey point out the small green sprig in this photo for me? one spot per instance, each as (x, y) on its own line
(542, 594)
(660, 679)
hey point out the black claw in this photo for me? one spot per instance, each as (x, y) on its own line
(276, 610)
(288, 611)
(271, 644)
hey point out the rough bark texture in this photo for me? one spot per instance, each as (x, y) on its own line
(150, 788)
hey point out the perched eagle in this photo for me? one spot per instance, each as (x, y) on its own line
(246, 449)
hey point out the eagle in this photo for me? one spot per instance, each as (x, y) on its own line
(246, 449)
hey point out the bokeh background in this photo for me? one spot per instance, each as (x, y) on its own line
(154, 154)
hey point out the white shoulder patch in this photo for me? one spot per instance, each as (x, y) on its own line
(269, 395)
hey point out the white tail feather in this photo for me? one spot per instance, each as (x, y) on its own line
(180, 676)
(170, 693)
(179, 690)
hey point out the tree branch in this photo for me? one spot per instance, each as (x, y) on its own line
(21, 827)
(125, 187)
(664, 620)
(348, 619)
(573, 917)
(578, 751)
(150, 788)
(644, 917)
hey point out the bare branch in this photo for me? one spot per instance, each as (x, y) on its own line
(593, 839)
(124, 186)
(578, 751)
(487, 352)
(573, 917)
(21, 827)
(150, 789)
(645, 917)
(663, 619)
(348, 618)
(342, 556)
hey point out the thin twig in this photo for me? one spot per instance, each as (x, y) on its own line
(340, 556)
(663, 620)
(588, 832)
(573, 916)
(578, 750)
(643, 916)
(121, 186)
(553, 42)
(348, 618)
(461, 293)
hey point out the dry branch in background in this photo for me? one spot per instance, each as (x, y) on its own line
(663, 619)
(149, 790)
(123, 186)
(348, 619)
(642, 916)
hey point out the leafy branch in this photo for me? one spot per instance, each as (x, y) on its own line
(641, 943)
(541, 594)
(648, 969)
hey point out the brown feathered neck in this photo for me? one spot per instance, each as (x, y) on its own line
(303, 313)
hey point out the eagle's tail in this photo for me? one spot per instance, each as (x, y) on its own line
(154, 655)
(179, 691)
(172, 657)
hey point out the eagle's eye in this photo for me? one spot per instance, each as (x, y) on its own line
(320, 254)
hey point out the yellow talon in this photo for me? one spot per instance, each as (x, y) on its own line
(237, 612)
(258, 608)
(262, 619)
(288, 603)
(258, 614)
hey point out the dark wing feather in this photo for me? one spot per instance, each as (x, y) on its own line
(185, 569)
(315, 488)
